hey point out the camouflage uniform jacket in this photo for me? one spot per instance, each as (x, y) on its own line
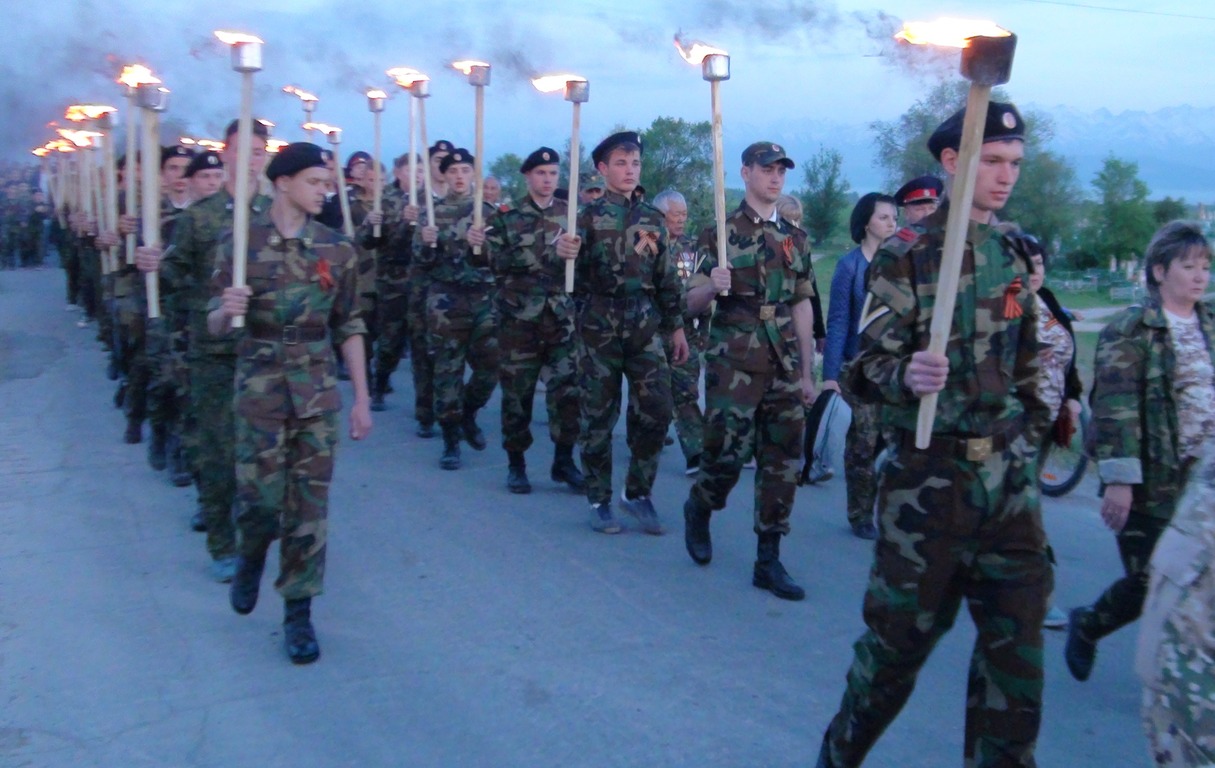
(128, 280)
(394, 246)
(305, 301)
(188, 263)
(1134, 409)
(770, 271)
(992, 385)
(452, 259)
(624, 255)
(522, 250)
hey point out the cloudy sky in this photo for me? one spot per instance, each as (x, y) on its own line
(793, 60)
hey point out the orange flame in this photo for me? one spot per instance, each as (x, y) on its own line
(211, 144)
(134, 75)
(274, 145)
(80, 112)
(376, 93)
(295, 90)
(61, 145)
(236, 38)
(406, 76)
(467, 65)
(79, 138)
(325, 128)
(265, 122)
(952, 33)
(694, 51)
(40, 151)
(554, 83)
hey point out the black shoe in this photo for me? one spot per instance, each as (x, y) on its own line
(643, 510)
(157, 458)
(516, 480)
(865, 530)
(134, 433)
(198, 523)
(566, 471)
(696, 532)
(377, 401)
(120, 394)
(299, 637)
(1079, 652)
(451, 447)
(246, 584)
(770, 574)
(473, 433)
(426, 429)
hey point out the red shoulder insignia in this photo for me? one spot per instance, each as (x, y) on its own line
(908, 234)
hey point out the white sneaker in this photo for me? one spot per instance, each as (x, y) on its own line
(1055, 619)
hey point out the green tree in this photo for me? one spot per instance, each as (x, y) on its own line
(1168, 209)
(506, 170)
(825, 195)
(902, 144)
(1045, 202)
(1123, 222)
(679, 155)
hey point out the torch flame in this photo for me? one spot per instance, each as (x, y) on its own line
(274, 145)
(60, 145)
(265, 122)
(376, 93)
(78, 138)
(324, 128)
(80, 112)
(467, 66)
(694, 51)
(134, 75)
(406, 76)
(297, 91)
(554, 83)
(211, 144)
(41, 151)
(236, 38)
(952, 33)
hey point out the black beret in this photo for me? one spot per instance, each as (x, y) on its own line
(357, 157)
(442, 145)
(1004, 123)
(542, 156)
(170, 152)
(455, 157)
(259, 129)
(204, 161)
(624, 138)
(922, 189)
(294, 158)
(766, 153)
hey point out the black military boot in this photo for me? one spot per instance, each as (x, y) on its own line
(246, 583)
(769, 573)
(379, 388)
(696, 531)
(566, 471)
(298, 635)
(1080, 652)
(134, 433)
(473, 433)
(156, 448)
(451, 447)
(516, 474)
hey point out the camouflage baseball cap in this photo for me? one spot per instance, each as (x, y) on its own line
(592, 181)
(766, 153)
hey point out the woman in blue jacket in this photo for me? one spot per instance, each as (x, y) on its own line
(873, 220)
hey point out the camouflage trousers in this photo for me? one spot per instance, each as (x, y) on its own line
(685, 395)
(953, 530)
(1180, 735)
(212, 387)
(862, 445)
(130, 352)
(1122, 601)
(393, 320)
(752, 413)
(70, 261)
(89, 287)
(369, 306)
(622, 341)
(525, 348)
(283, 469)
(461, 324)
(422, 362)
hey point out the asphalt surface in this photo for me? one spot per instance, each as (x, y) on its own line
(461, 625)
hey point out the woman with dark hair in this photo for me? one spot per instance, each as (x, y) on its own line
(1153, 407)
(873, 221)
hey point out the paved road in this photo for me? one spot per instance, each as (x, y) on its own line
(461, 626)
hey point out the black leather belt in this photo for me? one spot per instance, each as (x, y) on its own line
(290, 334)
(965, 448)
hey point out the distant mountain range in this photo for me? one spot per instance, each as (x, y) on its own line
(1174, 147)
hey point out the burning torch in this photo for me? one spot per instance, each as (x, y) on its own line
(987, 56)
(714, 67)
(418, 87)
(153, 99)
(478, 77)
(375, 103)
(577, 91)
(101, 117)
(334, 134)
(246, 60)
(307, 101)
(132, 77)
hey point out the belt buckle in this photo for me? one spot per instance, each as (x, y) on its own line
(767, 312)
(291, 334)
(978, 449)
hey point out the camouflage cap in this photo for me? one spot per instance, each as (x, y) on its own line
(1004, 123)
(542, 156)
(455, 157)
(592, 181)
(766, 153)
(204, 161)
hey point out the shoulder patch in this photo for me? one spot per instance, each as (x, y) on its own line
(870, 311)
(907, 234)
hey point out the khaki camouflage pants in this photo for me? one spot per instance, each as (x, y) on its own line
(212, 387)
(462, 332)
(953, 530)
(685, 394)
(861, 447)
(422, 363)
(751, 413)
(620, 338)
(283, 469)
(525, 347)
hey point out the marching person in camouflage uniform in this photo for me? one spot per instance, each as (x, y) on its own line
(960, 520)
(1153, 403)
(459, 310)
(185, 274)
(629, 299)
(759, 372)
(685, 377)
(301, 297)
(536, 323)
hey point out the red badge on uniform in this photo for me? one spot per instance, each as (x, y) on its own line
(787, 245)
(323, 274)
(908, 234)
(1012, 308)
